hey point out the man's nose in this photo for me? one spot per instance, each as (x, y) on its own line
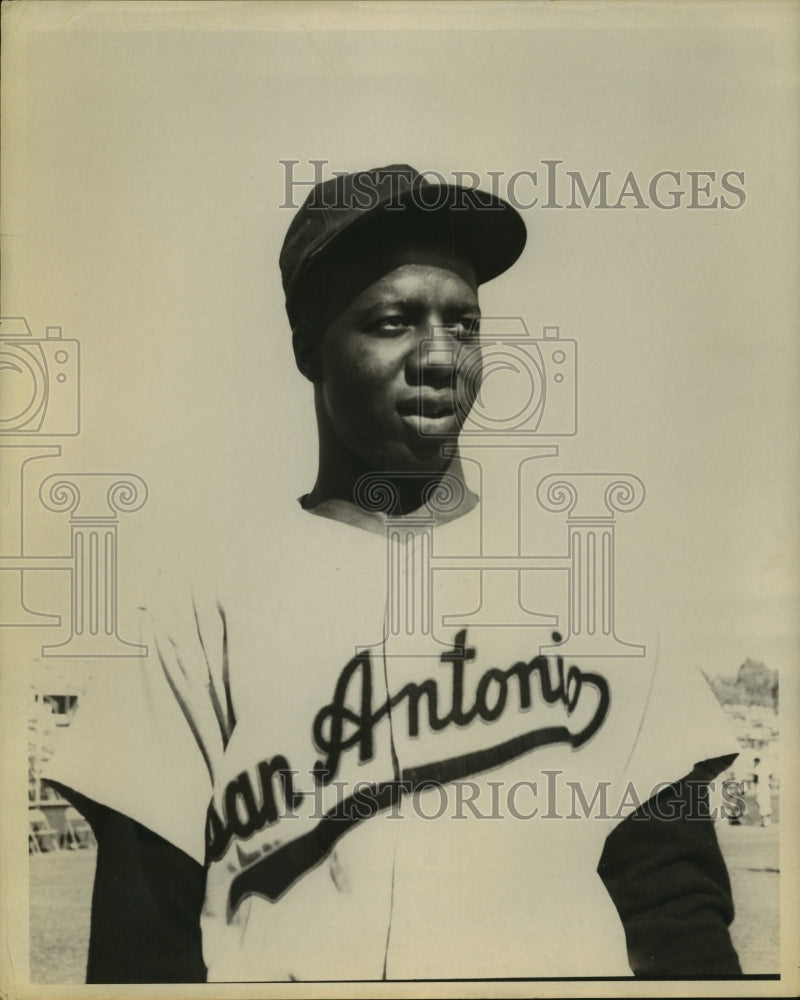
(437, 355)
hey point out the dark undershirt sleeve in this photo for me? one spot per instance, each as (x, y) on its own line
(664, 871)
(146, 903)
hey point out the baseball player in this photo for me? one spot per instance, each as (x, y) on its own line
(328, 767)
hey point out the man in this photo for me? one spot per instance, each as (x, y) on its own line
(337, 758)
(761, 779)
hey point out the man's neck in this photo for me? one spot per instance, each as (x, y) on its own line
(370, 498)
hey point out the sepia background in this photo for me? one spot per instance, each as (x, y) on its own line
(142, 214)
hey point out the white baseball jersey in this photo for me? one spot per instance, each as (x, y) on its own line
(381, 783)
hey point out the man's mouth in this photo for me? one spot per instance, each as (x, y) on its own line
(432, 407)
(430, 415)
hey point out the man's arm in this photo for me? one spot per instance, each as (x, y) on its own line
(146, 903)
(669, 883)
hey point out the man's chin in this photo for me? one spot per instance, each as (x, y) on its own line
(429, 456)
(424, 458)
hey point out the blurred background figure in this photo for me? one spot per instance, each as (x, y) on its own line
(763, 792)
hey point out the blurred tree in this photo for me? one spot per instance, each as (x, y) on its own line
(755, 684)
(759, 683)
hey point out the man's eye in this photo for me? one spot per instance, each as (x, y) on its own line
(465, 329)
(389, 324)
(473, 328)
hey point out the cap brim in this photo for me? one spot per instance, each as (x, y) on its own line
(491, 231)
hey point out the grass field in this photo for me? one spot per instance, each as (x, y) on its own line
(61, 894)
(753, 858)
(61, 885)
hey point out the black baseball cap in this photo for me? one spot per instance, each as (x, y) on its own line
(488, 231)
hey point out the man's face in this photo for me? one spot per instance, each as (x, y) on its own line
(380, 398)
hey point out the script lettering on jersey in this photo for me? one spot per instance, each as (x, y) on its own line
(244, 813)
(355, 687)
(348, 724)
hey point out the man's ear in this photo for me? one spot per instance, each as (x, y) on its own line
(305, 343)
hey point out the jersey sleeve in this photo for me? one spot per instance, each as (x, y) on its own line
(150, 730)
(682, 725)
(661, 862)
